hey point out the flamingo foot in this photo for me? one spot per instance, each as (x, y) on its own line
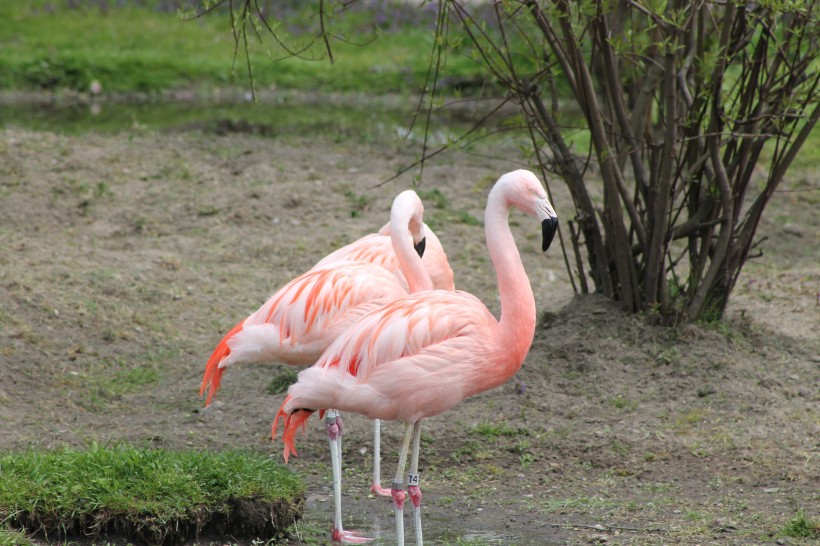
(349, 537)
(414, 493)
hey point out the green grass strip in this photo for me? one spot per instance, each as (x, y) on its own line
(50, 46)
(153, 495)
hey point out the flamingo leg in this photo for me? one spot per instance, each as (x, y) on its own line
(376, 485)
(398, 484)
(333, 425)
(413, 490)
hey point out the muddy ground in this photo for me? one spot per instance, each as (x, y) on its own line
(126, 257)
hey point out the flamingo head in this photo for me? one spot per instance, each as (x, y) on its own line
(527, 193)
(408, 210)
(420, 246)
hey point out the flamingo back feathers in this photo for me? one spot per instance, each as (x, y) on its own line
(405, 327)
(412, 358)
(377, 249)
(315, 304)
(299, 321)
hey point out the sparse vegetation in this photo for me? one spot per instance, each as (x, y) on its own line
(441, 213)
(493, 430)
(359, 203)
(436, 197)
(623, 403)
(802, 527)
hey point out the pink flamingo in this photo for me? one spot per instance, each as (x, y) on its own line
(300, 320)
(422, 354)
(377, 248)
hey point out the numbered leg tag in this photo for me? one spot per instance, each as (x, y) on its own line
(413, 479)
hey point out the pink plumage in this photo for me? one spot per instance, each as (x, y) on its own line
(420, 355)
(300, 320)
(377, 248)
(423, 353)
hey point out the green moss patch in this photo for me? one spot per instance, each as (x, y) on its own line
(157, 496)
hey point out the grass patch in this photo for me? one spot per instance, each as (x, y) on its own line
(50, 45)
(358, 203)
(581, 504)
(152, 495)
(108, 380)
(10, 537)
(435, 196)
(466, 541)
(493, 430)
(442, 214)
(802, 527)
(282, 381)
(623, 403)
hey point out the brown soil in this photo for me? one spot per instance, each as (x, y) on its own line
(126, 257)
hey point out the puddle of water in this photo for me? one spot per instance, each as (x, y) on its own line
(374, 518)
(436, 531)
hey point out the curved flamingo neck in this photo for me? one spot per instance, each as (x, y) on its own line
(517, 323)
(407, 212)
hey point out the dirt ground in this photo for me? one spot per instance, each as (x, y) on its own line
(126, 257)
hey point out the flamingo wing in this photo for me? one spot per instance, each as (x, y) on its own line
(317, 301)
(392, 363)
(300, 320)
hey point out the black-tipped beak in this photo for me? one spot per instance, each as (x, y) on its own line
(548, 228)
(420, 246)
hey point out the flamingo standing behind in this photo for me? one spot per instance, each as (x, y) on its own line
(422, 354)
(300, 320)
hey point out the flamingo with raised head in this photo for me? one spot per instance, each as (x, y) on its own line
(421, 354)
(301, 319)
(377, 248)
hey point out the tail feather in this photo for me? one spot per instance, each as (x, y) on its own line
(213, 373)
(293, 422)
